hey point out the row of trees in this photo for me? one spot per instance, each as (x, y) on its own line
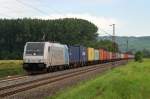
(146, 53)
(14, 33)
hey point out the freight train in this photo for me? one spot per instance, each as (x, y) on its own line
(47, 56)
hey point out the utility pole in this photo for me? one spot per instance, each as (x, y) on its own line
(113, 38)
(127, 44)
(127, 47)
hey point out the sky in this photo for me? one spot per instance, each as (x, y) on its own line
(132, 17)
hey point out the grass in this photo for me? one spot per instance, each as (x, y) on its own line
(10, 67)
(128, 82)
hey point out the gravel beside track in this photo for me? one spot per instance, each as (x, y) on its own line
(39, 86)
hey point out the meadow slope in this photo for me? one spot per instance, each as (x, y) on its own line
(10, 68)
(127, 82)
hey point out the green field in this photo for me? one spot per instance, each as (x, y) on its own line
(10, 67)
(128, 82)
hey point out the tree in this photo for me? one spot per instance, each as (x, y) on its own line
(14, 33)
(139, 56)
(146, 53)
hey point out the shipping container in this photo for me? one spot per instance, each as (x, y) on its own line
(104, 55)
(110, 55)
(90, 52)
(96, 55)
(107, 56)
(118, 56)
(101, 54)
(113, 56)
(77, 54)
(83, 54)
(125, 56)
(122, 56)
(74, 54)
(130, 56)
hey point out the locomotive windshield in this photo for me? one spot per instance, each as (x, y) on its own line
(35, 49)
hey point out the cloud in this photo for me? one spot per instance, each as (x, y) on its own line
(103, 23)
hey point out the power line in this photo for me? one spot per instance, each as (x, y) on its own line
(52, 8)
(105, 32)
(28, 5)
(113, 36)
(37, 9)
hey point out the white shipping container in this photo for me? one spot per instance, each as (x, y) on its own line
(96, 55)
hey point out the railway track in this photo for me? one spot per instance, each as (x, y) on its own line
(16, 88)
(13, 78)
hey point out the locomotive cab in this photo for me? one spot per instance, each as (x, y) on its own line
(33, 58)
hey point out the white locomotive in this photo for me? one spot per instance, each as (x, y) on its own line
(39, 56)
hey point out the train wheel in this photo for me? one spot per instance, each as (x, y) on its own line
(47, 69)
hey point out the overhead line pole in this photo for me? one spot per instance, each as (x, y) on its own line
(127, 44)
(127, 47)
(114, 37)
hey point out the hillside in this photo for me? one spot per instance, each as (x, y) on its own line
(134, 43)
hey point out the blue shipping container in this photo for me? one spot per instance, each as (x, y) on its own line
(83, 54)
(77, 54)
(74, 54)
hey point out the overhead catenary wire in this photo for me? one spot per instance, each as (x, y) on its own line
(112, 35)
(105, 31)
(31, 6)
(37, 9)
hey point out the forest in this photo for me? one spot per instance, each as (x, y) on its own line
(14, 33)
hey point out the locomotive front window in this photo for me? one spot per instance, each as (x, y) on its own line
(35, 49)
